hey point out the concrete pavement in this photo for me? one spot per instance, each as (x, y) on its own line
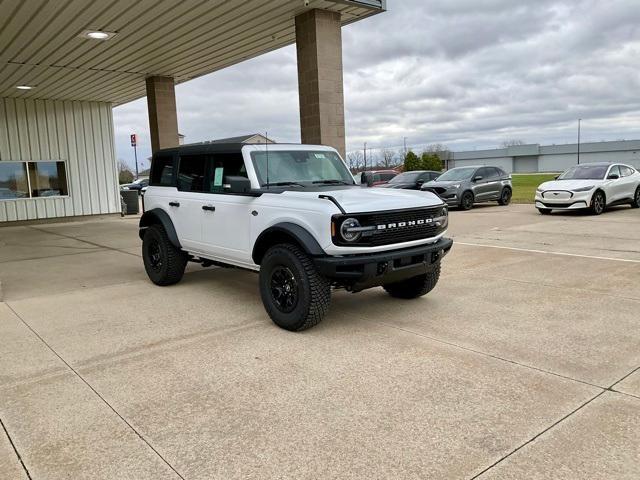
(520, 364)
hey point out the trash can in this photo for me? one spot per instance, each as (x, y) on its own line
(130, 198)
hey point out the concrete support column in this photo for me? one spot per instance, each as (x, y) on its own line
(319, 48)
(163, 117)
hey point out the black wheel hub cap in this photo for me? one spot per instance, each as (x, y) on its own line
(598, 203)
(155, 255)
(284, 289)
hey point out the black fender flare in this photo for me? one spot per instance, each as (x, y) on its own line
(157, 216)
(280, 231)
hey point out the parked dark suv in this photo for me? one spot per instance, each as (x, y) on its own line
(464, 186)
(411, 180)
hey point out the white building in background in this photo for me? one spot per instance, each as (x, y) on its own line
(550, 158)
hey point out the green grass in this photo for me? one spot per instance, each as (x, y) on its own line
(524, 185)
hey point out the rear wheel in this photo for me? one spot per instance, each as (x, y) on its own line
(598, 203)
(163, 262)
(544, 211)
(505, 196)
(636, 199)
(414, 287)
(293, 292)
(466, 201)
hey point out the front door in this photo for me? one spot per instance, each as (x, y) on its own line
(482, 187)
(226, 223)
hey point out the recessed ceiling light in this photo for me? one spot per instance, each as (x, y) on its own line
(97, 35)
(24, 87)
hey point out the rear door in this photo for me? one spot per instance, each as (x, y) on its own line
(628, 181)
(614, 188)
(187, 207)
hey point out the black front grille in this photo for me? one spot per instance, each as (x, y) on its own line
(436, 190)
(413, 224)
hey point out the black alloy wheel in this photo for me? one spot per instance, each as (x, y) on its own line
(466, 202)
(284, 289)
(505, 196)
(636, 199)
(598, 203)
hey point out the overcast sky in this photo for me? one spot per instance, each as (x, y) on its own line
(464, 73)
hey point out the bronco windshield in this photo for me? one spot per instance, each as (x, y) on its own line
(300, 168)
(462, 173)
(585, 172)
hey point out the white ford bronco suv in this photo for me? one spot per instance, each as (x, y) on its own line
(295, 214)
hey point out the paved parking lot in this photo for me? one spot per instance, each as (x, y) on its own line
(522, 363)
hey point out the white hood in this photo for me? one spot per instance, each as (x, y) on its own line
(568, 184)
(355, 200)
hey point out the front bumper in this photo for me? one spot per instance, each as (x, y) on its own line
(450, 196)
(374, 269)
(570, 200)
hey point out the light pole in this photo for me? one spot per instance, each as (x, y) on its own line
(404, 141)
(365, 156)
(579, 120)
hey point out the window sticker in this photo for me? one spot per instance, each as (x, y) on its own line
(319, 155)
(217, 177)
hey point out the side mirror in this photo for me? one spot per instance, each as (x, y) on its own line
(477, 178)
(613, 176)
(419, 182)
(556, 177)
(237, 184)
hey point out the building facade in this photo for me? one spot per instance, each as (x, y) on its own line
(65, 65)
(533, 158)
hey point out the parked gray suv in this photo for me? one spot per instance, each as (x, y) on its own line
(464, 186)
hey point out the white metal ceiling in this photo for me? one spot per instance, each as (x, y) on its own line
(40, 43)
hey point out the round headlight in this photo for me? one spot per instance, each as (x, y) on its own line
(347, 230)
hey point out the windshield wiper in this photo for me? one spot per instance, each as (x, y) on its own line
(332, 182)
(283, 184)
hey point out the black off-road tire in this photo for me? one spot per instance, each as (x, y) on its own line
(544, 211)
(466, 201)
(636, 199)
(416, 286)
(598, 203)
(163, 262)
(505, 196)
(311, 290)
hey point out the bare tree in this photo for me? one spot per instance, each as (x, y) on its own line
(512, 143)
(125, 175)
(355, 160)
(387, 157)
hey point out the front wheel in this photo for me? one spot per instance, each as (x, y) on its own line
(466, 202)
(505, 197)
(598, 203)
(636, 199)
(163, 262)
(414, 287)
(293, 292)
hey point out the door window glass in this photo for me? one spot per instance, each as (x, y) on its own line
(482, 172)
(191, 173)
(626, 171)
(615, 170)
(162, 171)
(225, 165)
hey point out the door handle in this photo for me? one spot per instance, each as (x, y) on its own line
(209, 208)
(174, 204)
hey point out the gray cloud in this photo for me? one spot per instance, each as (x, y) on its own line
(466, 73)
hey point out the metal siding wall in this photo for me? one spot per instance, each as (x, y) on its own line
(506, 163)
(81, 134)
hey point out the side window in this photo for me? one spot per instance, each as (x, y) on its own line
(626, 171)
(162, 171)
(425, 177)
(191, 173)
(225, 165)
(615, 170)
(482, 172)
(493, 173)
(387, 176)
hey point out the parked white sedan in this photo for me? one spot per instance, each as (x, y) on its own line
(590, 185)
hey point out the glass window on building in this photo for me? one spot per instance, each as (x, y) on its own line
(13, 180)
(48, 179)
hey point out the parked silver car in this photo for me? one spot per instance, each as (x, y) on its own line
(464, 186)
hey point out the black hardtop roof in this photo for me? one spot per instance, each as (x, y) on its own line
(200, 148)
